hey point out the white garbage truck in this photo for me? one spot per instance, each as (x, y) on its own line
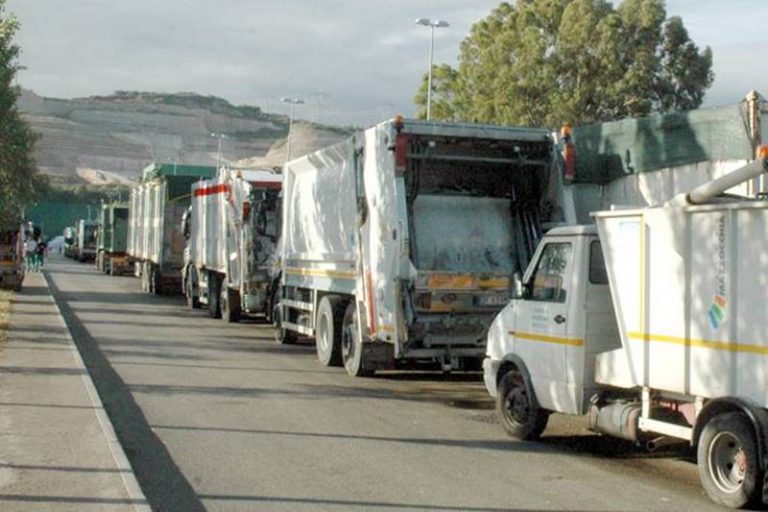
(232, 231)
(155, 240)
(399, 244)
(653, 323)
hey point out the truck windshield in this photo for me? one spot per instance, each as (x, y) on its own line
(90, 234)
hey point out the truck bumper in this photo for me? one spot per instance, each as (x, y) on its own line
(490, 370)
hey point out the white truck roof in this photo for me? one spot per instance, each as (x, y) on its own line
(579, 230)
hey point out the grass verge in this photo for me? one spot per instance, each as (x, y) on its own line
(5, 313)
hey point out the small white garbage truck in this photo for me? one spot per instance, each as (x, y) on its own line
(399, 244)
(232, 230)
(652, 323)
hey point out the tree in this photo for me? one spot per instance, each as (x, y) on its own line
(444, 99)
(545, 62)
(19, 180)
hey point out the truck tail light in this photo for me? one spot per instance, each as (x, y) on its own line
(246, 211)
(401, 153)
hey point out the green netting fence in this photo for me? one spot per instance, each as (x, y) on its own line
(607, 151)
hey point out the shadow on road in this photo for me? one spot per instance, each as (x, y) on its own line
(589, 445)
(164, 486)
(323, 504)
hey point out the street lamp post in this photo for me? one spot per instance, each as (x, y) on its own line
(218, 151)
(292, 102)
(432, 24)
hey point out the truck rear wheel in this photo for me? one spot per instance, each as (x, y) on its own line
(727, 459)
(328, 331)
(214, 285)
(230, 304)
(518, 409)
(352, 345)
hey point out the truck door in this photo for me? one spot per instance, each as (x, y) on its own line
(541, 323)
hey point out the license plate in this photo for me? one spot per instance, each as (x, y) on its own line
(491, 300)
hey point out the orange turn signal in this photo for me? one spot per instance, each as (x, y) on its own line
(762, 152)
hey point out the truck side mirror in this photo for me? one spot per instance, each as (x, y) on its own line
(518, 290)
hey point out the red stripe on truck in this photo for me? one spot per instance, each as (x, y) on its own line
(216, 189)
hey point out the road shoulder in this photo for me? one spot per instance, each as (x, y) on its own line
(59, 449)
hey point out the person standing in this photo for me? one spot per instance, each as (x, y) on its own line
(40, 253)
(30, 250)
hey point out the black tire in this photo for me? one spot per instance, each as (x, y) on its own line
(282, 336)
(727, 459)
(214, 304)
(352, 345)
(193, 301)
(517, 407)
(328, 329)
(156, 281)
(229, 301)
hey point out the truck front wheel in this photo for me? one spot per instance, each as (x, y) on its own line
(144, 273)
(230, 304)
(728, 463)
(328, 332)
(282, 335)
(193, 301)
(352, 345)
(156, 281)
(518, 409)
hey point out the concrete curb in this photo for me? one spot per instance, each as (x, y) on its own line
(132, 487)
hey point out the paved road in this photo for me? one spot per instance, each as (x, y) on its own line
(219, 417)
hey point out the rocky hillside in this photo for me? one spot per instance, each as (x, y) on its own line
(109, 139)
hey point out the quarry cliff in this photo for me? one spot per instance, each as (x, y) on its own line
(109, 139)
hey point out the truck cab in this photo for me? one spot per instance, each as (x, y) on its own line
(562, 316)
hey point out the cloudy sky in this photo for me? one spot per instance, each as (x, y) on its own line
(353, 61)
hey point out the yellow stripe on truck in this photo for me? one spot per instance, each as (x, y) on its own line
(318, 272)
(546, 338)
(465, 282)
(700, 343)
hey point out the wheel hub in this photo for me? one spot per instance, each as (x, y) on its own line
(347, 343)
(517, 406)
(727, 462)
